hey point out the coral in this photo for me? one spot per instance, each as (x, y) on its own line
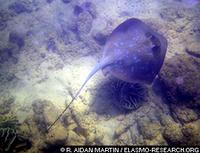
(6, 54)
(6, 104)
(85, 13)
(59, 133)
(90, 7)
(191, 133)
(119, 131)
(25, 130)
(124, 139)
(158, 140)
(42, 116)
(80, 131)
(66, 1)
(149, 130)
(8, 121)
(3, 25)
(49, 1)
(171, 14)
(4, 16)
(9, 53)
(39, 118)
(77, 10)
(128, 95)
(94, 139)
(17, 39)
(84, 22)
(173, 134)
(5, 79)
(186, 135)
(74, 139)
(51, 45)
(19, 7)
(184, 114)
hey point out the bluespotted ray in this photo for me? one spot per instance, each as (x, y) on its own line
(134, 52)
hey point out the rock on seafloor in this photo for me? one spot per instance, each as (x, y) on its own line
(185, 135)
(173, 134)
(41, 114)
(184, 114)
(193, 49)
(180, 75)
(191, 133)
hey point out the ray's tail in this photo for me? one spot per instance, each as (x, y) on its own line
(95, 69)
(66, 107)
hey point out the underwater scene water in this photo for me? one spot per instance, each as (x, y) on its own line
(48, 48)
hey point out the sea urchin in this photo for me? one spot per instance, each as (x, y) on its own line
(129, 96)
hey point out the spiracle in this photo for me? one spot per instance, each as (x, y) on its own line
(128, 96)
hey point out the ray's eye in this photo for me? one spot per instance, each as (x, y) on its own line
(155, 41)
(156, 44)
